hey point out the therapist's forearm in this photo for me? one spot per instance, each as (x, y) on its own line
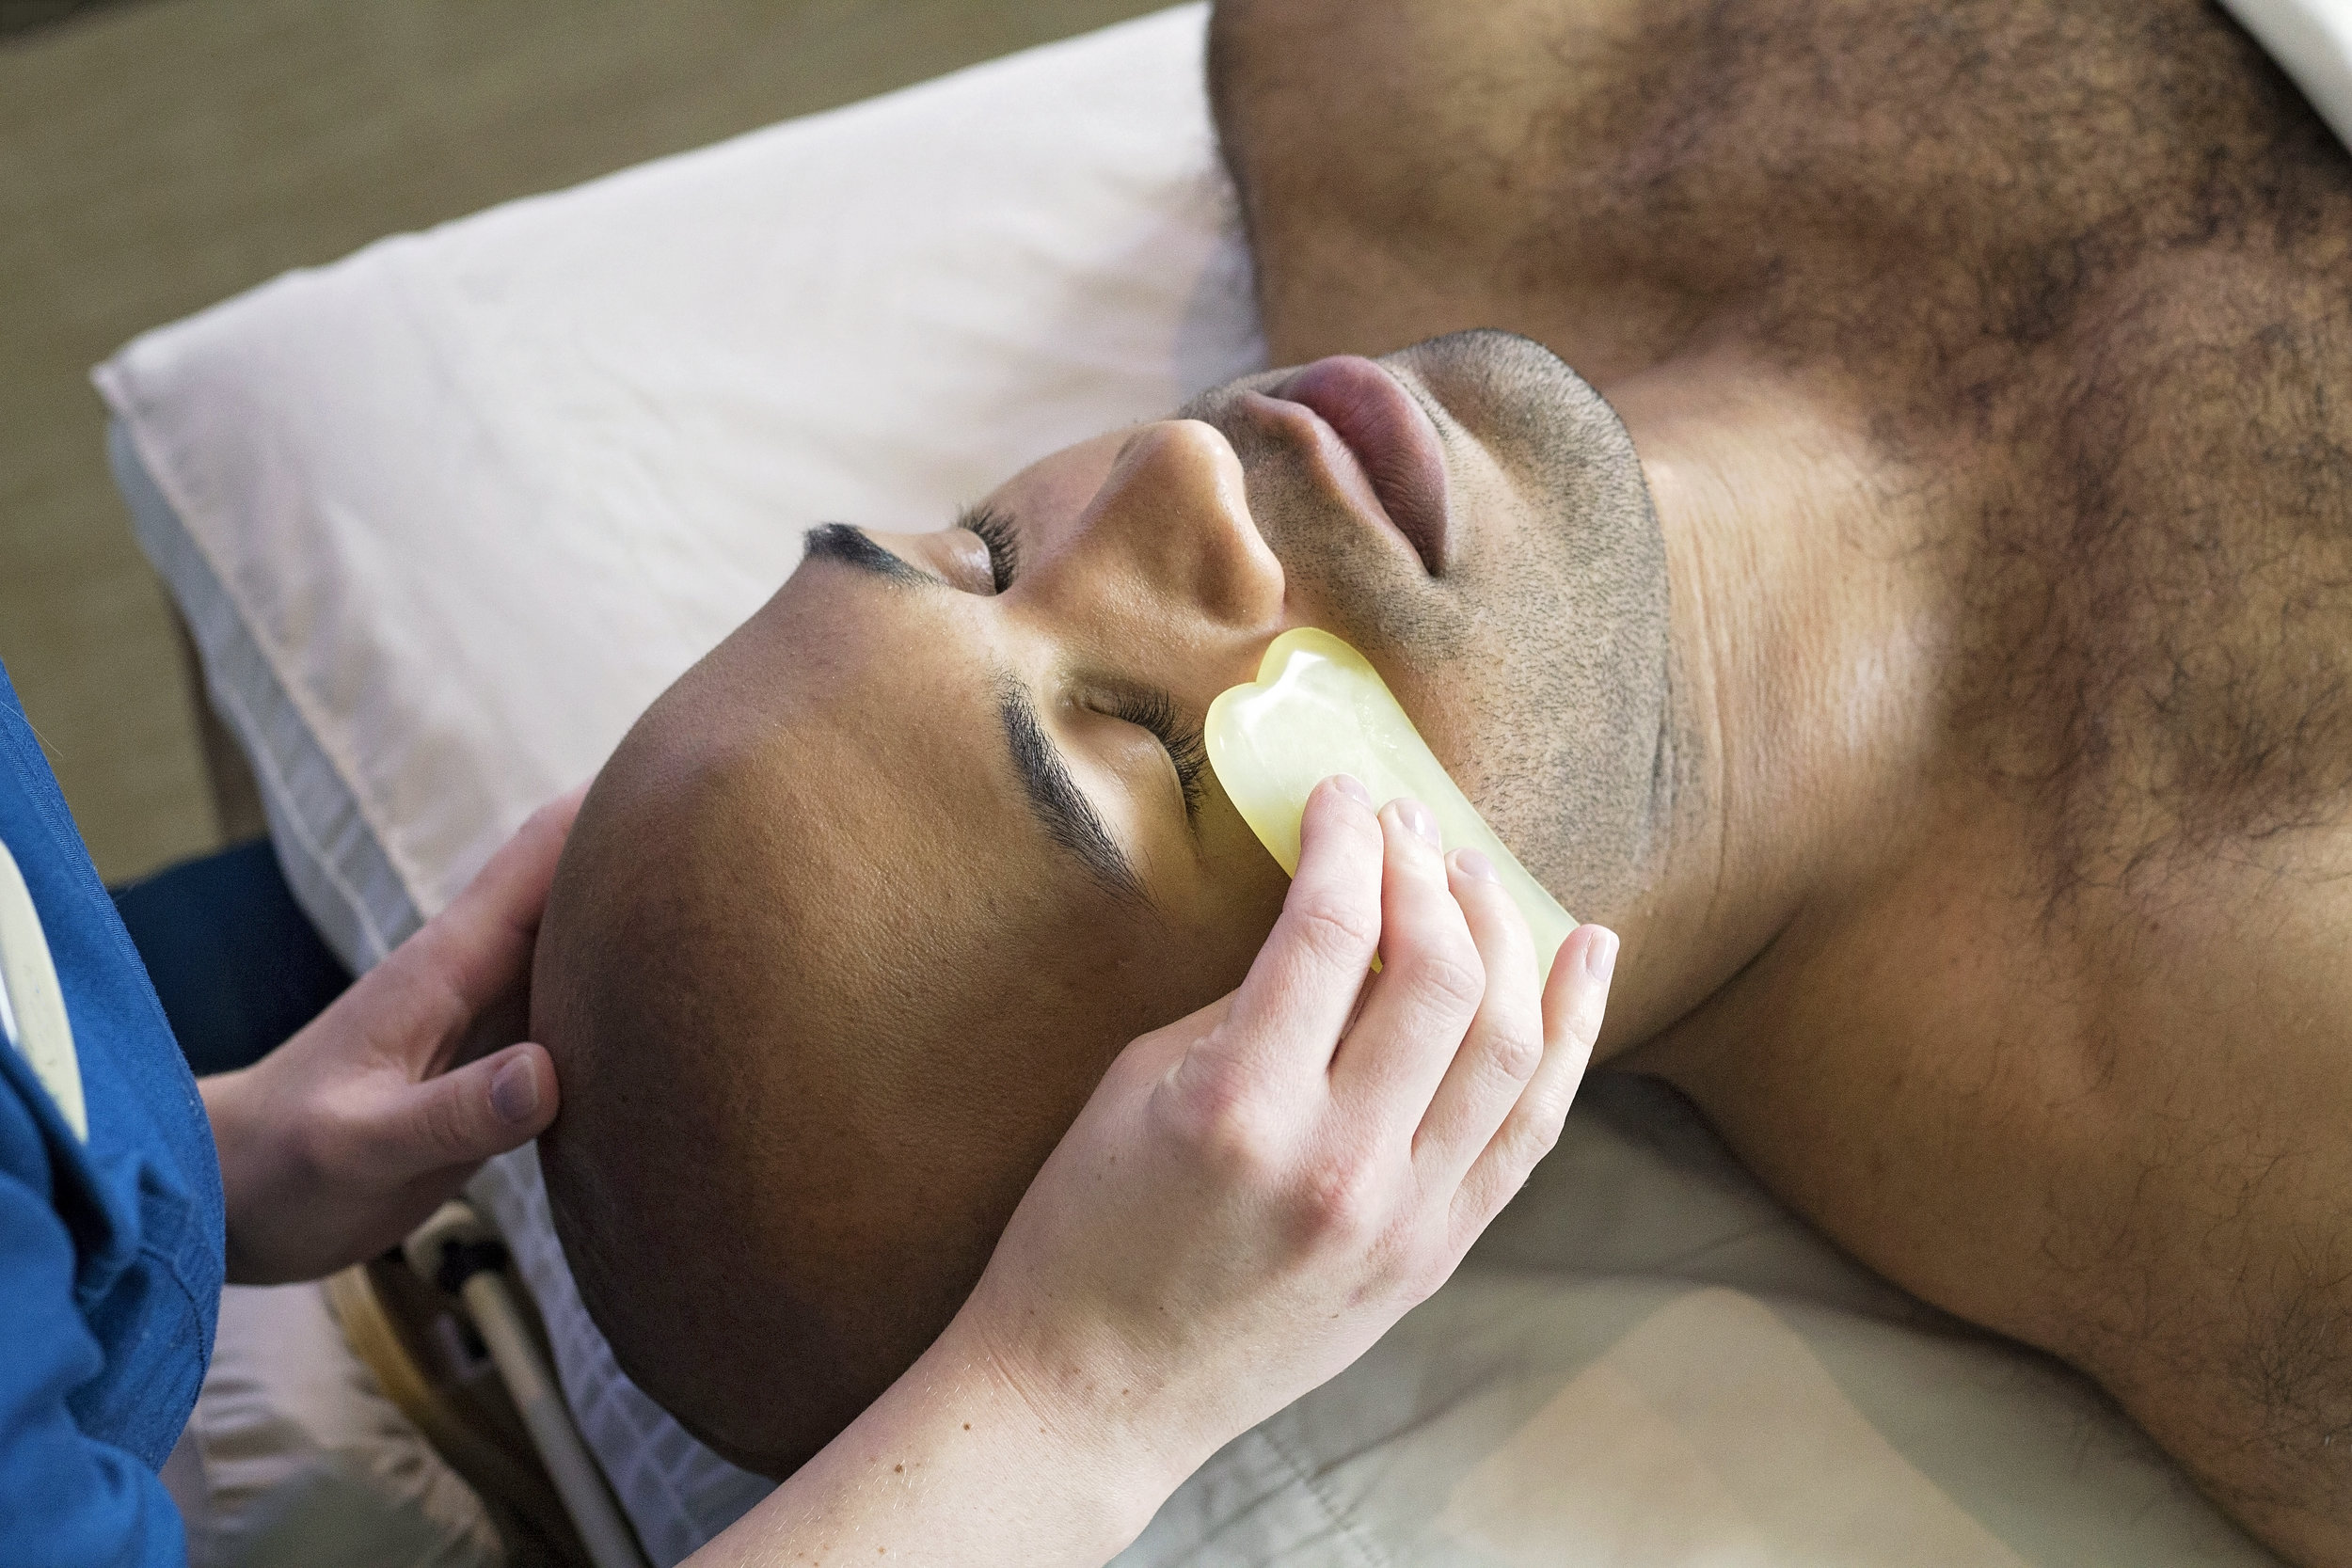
(952, 1465)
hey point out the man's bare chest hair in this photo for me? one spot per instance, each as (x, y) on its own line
(2083, 268)
(2078, 279)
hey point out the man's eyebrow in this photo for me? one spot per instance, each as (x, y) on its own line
(1067, 816)
(841, 542)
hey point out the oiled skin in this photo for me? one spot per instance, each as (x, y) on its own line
(1986, 360)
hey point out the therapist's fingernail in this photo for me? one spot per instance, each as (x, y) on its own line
(1477, 867)
(515, 1091)
(1418, 818)
(1600, 954)
(1353, 789)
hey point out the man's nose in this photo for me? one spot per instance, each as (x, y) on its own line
(1172, 519)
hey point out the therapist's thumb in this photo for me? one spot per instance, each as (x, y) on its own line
(486, 1107)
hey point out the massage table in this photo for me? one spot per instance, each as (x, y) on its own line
(445, 516)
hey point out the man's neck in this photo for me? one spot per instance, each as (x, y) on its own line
(1805, 645)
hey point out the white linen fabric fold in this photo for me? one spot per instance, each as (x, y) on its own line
(2312, 40)
(446, 516)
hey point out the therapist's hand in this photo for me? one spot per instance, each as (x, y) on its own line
(1255, 1194)
(1252, 1197)
(340, 1142)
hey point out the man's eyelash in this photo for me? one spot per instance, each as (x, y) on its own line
(994, 530)
(1153, 711)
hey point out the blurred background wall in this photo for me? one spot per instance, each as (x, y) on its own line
(158, 155)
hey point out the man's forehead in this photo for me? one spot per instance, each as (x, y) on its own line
(887, 741)
(876, 871)
(877, 733)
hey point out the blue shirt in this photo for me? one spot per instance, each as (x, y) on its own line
(111, 1253)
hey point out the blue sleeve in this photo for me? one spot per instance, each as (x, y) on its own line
(66, 1501)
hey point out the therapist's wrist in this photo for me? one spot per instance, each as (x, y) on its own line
(1094, 1449)
(254, 1163)
(956, 1466)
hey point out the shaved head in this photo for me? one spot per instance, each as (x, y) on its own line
(804, 1084)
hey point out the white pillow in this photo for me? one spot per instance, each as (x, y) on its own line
(477, 496)
(446, 516)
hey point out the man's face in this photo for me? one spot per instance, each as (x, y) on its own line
(1051, 655)
(948, 840)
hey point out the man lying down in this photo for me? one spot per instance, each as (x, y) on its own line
(1921, 624)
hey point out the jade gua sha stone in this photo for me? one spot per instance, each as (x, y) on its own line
(1318, 707)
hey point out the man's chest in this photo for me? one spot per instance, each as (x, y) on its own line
(2006, 1103)
(1624, 182)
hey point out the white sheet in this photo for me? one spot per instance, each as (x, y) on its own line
(2312, 40)
(445, 516)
